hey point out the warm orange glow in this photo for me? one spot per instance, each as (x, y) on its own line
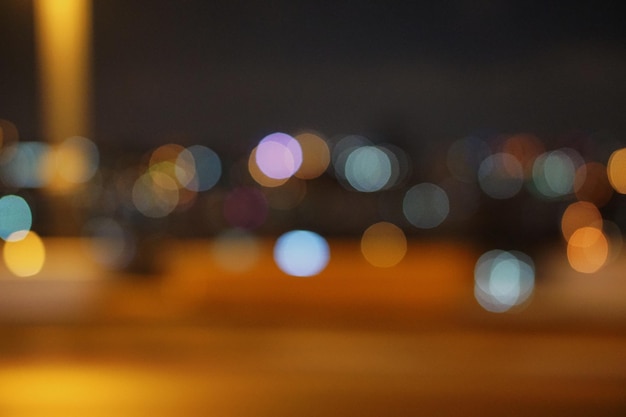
(70, 164)
(383, 244)
(616, 170)
(592, 184)
(63, 31)
(315, 156)
(587, 250)
(24, 257)
(166, 153)
(577, 215)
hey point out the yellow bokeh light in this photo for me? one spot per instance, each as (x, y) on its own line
(315, 156)
(24, 257)
(587, 250)
(383, 245)
(163, 153)
(578, 215)
(69, 164)
(616, 170)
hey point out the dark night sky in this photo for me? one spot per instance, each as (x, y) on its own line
(229, 72)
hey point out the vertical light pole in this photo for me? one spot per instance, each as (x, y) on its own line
(63, 39)
(63, 44)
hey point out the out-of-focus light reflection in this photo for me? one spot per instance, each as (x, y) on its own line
(165, 153)
(342, 150)
(236, 250)
(587, 250)
(258, 175)
(368, 169)
(400, 164)
(246, 208)
(426, 205)
(315, 156)
(616, 170)
(15, 216)
(503, 280)
(383, 244)
(25, 256)
(71, 163)
(501, 176)
(577, 215)
(464, 158)
(592, 184)
(26, 165)
(553, 174)
(301, 253)
(279, 156)
(108, 243)
(198, 168)
(155, 194)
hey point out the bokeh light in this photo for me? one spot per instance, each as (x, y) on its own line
(279, 156)
(259, 176)
(554, 173)
(155, 194)
(400, 164)
(77, 159)
(577, 215)
(383, 244)
(15, 216)
(616, 170)
(315, 155)
(198, 168)
(525, 148)
(368, 169)
(503, 280)
(342, 150)
(236, 250)
(501, 176)
(26, 256)
(587, 249)
(26, 165)
(301, 253)
(426, 205)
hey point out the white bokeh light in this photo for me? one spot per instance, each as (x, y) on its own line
(301, 253)
(503, 280)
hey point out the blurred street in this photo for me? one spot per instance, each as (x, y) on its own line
(340, 344)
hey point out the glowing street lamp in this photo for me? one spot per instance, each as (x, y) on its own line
(63, 34)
